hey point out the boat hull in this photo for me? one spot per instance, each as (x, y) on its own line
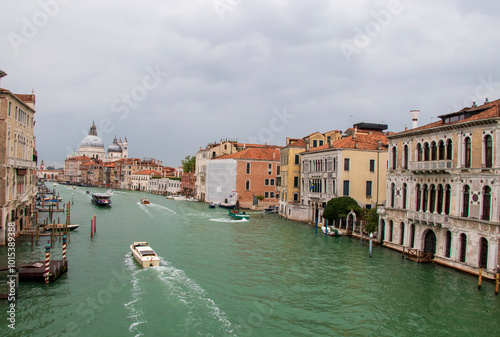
(145, 261)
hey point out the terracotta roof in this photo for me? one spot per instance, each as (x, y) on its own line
(29, 98)
(267, 153)
(149, 172)
(485, 111)
(361, 142)
(299, 143)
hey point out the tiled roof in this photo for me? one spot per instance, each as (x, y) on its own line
(298, 143)
(29, 98)
(149, 172)
(485, 111)
(254, 153)
(361, 142)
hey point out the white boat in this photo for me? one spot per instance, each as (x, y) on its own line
(181, 197)
(55, 184)
(101, 199)
(144, 254)
(170, 197)
(331, 231)
(110, 192)
(192, 199)
(74, 187)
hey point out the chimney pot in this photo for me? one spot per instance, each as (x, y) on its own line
(414, 117)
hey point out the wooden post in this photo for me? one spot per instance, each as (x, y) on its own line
(91, 228)
(95, 223)
(480, 278)
(64, 248)
(497, 283)
(403, 252)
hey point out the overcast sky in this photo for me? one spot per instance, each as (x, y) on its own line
(174, 75)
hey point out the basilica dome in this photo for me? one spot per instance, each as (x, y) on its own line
(115, 147)
(91, 141)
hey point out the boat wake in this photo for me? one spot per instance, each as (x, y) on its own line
(201, 312)
(228, 220)
(145, 209)
(163, 208)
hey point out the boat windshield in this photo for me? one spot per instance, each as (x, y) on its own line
(147, 252)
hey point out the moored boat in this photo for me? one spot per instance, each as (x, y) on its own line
(228, 206)
(211, 205)
(180, 197)
(145, 201)
(330, 231)
(62, 226)
(144, 254)
(101, 199)
(238, 215)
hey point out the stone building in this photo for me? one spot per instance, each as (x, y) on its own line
(17, 160)
(443, 187)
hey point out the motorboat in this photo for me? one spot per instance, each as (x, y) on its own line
(144, 254)
(61, 226)
(170, 197)
(101, 199)
(180, 197)
(145, 201)
(238, 215)
(271, 209)
(110, 192)
(330, 231)
(211, 205)
(74, 187)
(228, 206)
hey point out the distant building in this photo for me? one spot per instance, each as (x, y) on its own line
(443, 189)
(140, 180)
(17, 160)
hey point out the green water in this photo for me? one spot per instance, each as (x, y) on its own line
(218, 277)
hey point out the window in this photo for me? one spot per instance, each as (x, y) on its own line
(432, 205)
(449, 149)
(297, 159)
(405, 157)
(447, 200)
(426, 152)
(441, 152)
(419, 198)
(346, 188)
(419, 152)
(463, 247)
(425, 198)
(368, 188)
(346, 164)
(295, 197)
(10, 103)
(270, 169)
(465, 201)
(266, 195)
(248, 168)
(372, 165)
(488, 152)
(402, 233)
(272, 182)
(433, 151)
(320, 142)
(271, 195)
(405, 193)
(247, 185)
(394, 157)
(468, 152)
(447, 249)
(486, 203)
(393, 194)
(266, 182)
(295, 181)
(315, 143)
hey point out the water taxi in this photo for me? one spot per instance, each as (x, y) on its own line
(145, 201)
(144, 254)
(101, 199)
(238, 215)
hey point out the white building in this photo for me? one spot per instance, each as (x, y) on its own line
(165, 186)
(221, 181)
(140, 180)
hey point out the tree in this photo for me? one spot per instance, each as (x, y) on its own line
(189, 164)
(340, 207)
(371, 218)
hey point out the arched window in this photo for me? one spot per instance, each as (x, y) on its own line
(440, 197)
(419, 152)
(447, 248)
(418, 206)
(447, 200)
(405, 192)
(402, 234)
(486, 203)
(247, 185)
(248, 168)
(405, 157)
(412, 236)
(426, 152)
(483, 253)
(425, 198)
(467, 152)
(449, 149)
(463, 247)
(432, 206)
(488, 151)
(393, 194)
(394, 157)
(441, 150)
(465, 201)
(433, 151)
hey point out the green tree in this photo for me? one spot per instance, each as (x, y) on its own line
(371, 218)
(340, 207)
(188, 164)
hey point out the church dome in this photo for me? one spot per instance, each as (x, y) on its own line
(91, 141)
(115, 147)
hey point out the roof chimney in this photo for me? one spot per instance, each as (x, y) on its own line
(474, 104)
(486, 101)
(2, 74)
(379, 144)
(414, 118)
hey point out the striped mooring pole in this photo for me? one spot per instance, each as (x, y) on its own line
(91, 228)
(64, 248)
(47, 262)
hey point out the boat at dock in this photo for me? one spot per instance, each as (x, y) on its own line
(271, 209)
(144, 254)
(238, 215)
(330, 231)
(61, 226)
(180, 198)
(145, 201)
(211, 205)
(227, 206)
(101, 199)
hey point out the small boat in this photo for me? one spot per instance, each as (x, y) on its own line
(238, 215)
(55, 184)
(271, 209)
(211, 205)
(145, 201)
(110, 192)
(101, 199)
(74, 187)
(144, 254)
(170, 197)
(88, 192)
(330, 231)
(181, 197)
(228, 206)
(51, 199)
(62, 226)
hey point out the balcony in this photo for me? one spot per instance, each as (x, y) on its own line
(431, 166)
(20, 163)
(432, 219)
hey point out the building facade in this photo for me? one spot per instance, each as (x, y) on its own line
(443, 189)
(17, 161)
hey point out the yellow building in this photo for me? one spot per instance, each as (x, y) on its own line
(17, 161)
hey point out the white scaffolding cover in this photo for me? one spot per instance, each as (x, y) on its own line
(221, 181)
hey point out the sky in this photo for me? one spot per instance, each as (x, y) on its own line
(172, 76)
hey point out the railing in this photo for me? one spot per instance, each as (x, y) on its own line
(431, 218)
(418, 255)
(435, 165)
(20, 163)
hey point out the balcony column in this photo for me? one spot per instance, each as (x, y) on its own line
(454, 253)
(493, 249)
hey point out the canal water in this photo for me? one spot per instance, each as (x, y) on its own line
(219, 277)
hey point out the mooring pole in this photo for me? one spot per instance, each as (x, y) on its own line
(371, 244)
(64, 248)
(47, 262)
(91, 228)
(480, 278)
(498, 282)
(95, 223)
